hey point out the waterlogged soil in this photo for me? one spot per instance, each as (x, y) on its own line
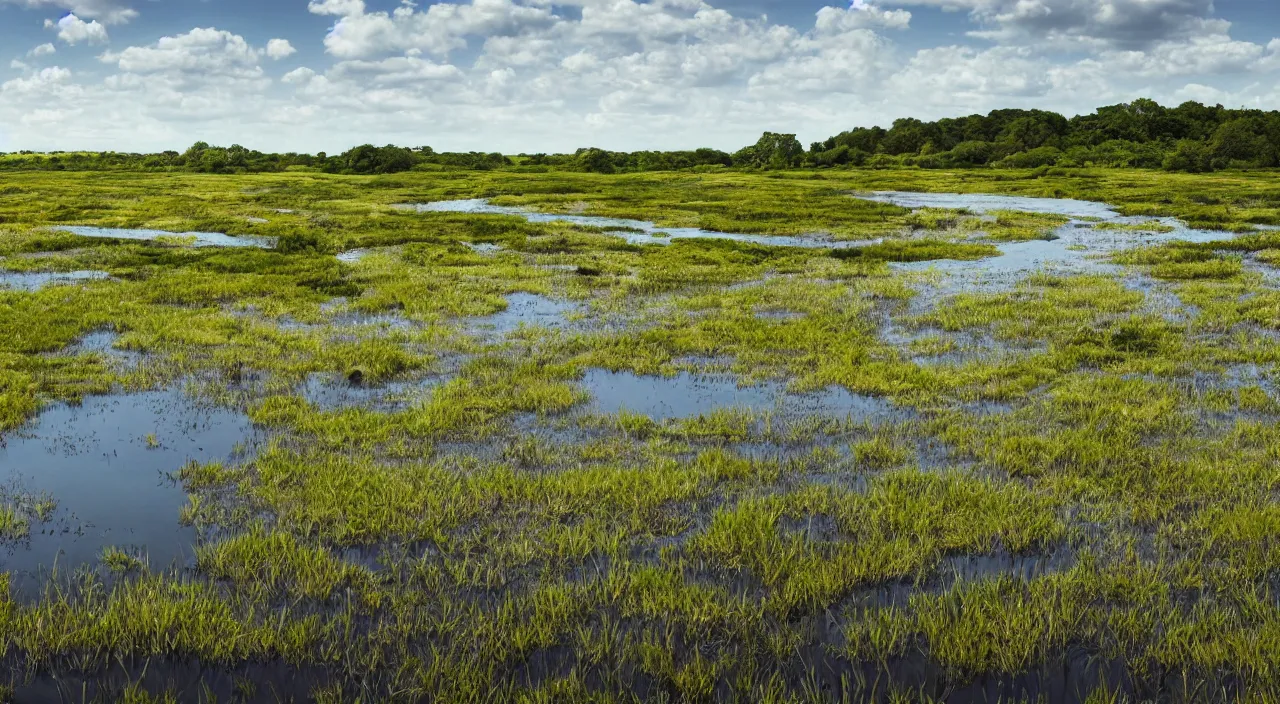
(526, 310)
(335, 391)
(109, 463)
(687, 395)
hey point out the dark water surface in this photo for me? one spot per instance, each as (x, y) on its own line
(112, 485)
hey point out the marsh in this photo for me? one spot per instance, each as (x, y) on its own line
(901, 447)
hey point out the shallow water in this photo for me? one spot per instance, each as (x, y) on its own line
(350, 321)
(528, 309)
(1078, 247)
(333, 391)
(649, 233)
(111, 487)
(985, 203)
(103, 342)
(687, 395)
(200, 239)
(36, 280)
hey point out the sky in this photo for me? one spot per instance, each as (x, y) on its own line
(555, 75)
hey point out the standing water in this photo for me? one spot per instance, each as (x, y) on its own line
(108, 463)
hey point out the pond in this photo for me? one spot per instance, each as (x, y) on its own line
(107, 463)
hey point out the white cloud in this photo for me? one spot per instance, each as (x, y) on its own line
(299, 75)
(336, 7)
(860, 16)
(207, 51)
(1123, 23)
(43, 50)
(404, 69)
(107, 11)
(1198, 56)
(441, 28)
(37, 82)
(280, 48)
(543, 75)
(73, 30)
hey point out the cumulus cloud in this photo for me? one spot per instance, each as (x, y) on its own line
(336, 7)
(208, 51)
(37, 82)
(73, 30)
(861, 15)
(43, 50)
(1124, 23)
(107, 11)
(441, 28)
(280, 48)
(298, 75)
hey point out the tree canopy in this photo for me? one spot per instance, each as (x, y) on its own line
(1141, 134)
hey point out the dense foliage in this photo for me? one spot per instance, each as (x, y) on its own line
(1143, 134)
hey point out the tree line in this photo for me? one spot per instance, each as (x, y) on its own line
(1142, 134)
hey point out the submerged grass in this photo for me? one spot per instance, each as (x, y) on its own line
(458, 522)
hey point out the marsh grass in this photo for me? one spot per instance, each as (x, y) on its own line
(493, 537)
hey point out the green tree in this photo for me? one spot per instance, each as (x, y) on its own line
(1190, 155)
(772, 151)
(1241, 140)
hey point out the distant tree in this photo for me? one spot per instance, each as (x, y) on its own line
(1241, 140)
(971, 153)
(1191, 156)
(907, 136)
(594, 160)
(368, 159)
(1033, 131)
(772, 151)
(1032, 158)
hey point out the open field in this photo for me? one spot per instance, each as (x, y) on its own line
(1025, 451)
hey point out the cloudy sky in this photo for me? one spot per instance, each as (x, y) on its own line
(553, 75)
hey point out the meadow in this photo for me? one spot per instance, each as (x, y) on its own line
(450, 454)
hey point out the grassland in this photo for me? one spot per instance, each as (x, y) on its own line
(1062, 488)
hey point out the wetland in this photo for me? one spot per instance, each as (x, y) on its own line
(793, 436)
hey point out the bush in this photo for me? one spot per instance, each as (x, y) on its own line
(1190, 156)
(294, 242)
(1032, 159)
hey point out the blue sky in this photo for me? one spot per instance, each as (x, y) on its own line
(552, 75)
